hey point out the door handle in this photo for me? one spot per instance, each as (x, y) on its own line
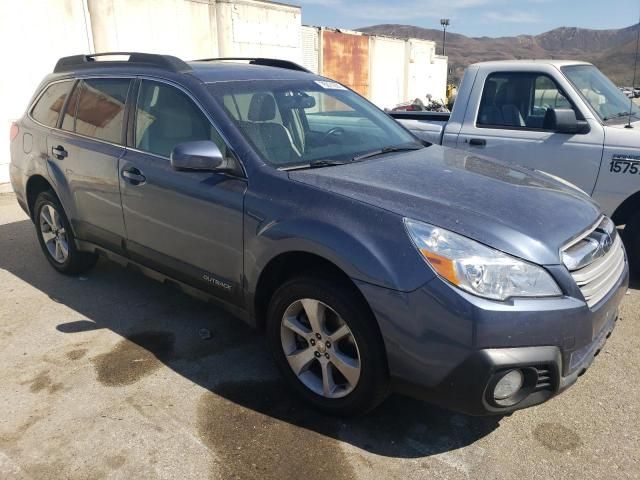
(133, 176)
(477, 142)
(59, 152)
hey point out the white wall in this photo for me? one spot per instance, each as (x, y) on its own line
(30, 33)
(184, 28)
(249, 28)
(36, 33)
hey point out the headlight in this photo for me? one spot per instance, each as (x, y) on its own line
(476, 268)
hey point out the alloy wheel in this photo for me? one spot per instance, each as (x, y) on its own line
(320, 348)
(54, 234)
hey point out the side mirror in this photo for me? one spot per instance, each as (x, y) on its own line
(198, 156)
(563, 120)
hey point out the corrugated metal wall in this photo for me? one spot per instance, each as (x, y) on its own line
(345, 58)
(310, 45)
(387, 71)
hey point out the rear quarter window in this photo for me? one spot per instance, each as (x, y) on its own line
(48, 107)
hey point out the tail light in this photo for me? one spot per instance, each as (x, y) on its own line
(14, 131)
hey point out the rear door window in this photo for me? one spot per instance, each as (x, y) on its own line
(69, 118)
(100, 110)
(48, 107)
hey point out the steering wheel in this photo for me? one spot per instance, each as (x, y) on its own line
(332, 132)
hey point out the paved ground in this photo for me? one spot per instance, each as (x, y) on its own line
(106, 376)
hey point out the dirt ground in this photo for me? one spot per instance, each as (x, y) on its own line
(107, 376)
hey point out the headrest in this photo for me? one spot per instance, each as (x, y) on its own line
(262, 108)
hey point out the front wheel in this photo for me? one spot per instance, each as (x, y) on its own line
(327, 345)
(56, 238)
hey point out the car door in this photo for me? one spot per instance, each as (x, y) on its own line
(186, 224)
(84, 152)
(508, 125)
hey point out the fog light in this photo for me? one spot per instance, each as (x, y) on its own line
(508, 385)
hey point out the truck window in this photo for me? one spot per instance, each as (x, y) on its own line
(519, 100)
(546, 95)
(609, 103)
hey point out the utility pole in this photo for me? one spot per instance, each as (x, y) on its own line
(445, 23)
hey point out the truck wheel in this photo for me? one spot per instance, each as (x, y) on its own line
(326, 346)
(631, 238)
(56, 238)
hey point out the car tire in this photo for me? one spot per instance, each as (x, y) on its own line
(326, 372)
(631, 237)
(56, 237)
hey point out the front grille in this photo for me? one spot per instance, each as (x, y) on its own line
(605, 263)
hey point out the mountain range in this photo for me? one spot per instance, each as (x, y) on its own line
(613, 51)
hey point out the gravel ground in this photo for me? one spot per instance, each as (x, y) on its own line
(106, 376)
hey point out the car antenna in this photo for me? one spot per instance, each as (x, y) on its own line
(635, 69)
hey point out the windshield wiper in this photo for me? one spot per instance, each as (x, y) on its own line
(383, 150)
(317, 164)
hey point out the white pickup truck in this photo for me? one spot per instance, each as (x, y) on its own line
(565, 118)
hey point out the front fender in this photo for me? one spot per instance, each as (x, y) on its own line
(379, 253)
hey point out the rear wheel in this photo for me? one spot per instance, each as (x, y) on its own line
(56, 238)
(327, 346)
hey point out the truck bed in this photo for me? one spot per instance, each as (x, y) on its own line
(426, 125)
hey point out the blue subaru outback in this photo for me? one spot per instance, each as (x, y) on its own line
(373, 261)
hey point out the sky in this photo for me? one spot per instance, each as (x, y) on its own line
(476, 18)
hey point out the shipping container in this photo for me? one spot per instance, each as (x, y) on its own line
(426, 71)
(387, 71)
(345, 58)
(437, 79)
(253, 28)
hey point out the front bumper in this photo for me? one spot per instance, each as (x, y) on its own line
(447, 347)
(469, 388)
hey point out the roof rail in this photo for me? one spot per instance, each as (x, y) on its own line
(166, 62)
(268, 62)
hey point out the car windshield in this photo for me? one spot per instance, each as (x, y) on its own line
(309, 123)
(605, 98)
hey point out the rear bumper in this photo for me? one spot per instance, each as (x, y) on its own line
(18, 182)
(447, 347)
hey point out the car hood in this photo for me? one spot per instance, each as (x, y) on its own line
(516, 210)
(620, 137)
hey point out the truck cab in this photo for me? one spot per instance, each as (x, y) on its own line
(564, 118)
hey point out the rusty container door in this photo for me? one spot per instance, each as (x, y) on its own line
(345, 58)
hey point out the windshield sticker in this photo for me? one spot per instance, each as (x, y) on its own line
(330, 85)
